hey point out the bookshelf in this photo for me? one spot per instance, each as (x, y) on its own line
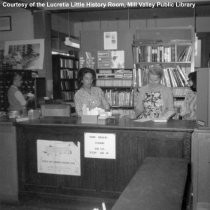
(6, 75)
(173, 49)
(65, 69)
(117, 85)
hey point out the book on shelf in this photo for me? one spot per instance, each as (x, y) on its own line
(183, 74)
(66, 85)
(114, 82)
(156, 53)
(185, 53)
(120, 73)
(166, 78)
(66, 74)
(66, 63)
(142, 76)
(117, 74)
(67, 95)
(119, 98)
(172, 76)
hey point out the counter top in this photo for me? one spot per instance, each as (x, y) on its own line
(6, 121)
(122, 123)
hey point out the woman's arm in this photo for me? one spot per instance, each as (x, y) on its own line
(104, 102)
(138, 107)
(169, 101)
(20, 97)
(78, 104)
(186, 105)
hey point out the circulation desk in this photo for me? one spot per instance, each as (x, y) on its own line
(99, 177)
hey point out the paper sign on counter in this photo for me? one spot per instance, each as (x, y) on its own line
(100, 145)
(58, 157)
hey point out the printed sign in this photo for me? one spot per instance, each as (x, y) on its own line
(58, 157)
(100, 145)
(110, 40)
(114, 59)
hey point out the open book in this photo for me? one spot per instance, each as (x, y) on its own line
(163, 118)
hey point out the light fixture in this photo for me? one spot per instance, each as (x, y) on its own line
(70, 40)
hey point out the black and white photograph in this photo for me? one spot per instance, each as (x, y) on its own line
(28, 54)
(104, 105)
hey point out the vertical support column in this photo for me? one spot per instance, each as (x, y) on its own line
(42, 30)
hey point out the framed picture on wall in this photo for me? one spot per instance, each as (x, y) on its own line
(25, 54)
(5, 23)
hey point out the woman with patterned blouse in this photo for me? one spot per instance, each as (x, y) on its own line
(88, 94)
(154, 99)
(189, 108)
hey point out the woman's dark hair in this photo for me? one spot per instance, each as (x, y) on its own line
(193, 77)
(82, 73)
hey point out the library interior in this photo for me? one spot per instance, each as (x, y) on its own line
(104, 105)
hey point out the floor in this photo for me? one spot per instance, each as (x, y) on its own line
(49, 204)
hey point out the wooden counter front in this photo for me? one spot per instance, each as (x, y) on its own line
(8, 162)
(99, 177)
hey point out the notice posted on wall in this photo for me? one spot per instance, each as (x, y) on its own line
(58, 157)
(110, 40)
(114, 59)
(100, 145)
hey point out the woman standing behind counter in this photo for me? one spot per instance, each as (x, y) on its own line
(88, 94)
(154, 99)
(17, 101)
(189, 108)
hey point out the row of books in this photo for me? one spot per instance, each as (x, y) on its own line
(76, 64)
(67, 96)
(66, 63)
(185, 53)
(119, 98)
(173, 76)
(118, 74)
(67, 85)
(114, 82)
(168, 53)
(66, 74)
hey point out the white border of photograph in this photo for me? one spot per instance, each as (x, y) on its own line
(33, 60)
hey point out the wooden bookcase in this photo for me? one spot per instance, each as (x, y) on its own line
(65, 69)
(173, 49)
(117, 85)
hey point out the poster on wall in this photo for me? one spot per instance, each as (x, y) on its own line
(100, 145)
(25, 54)
(87, 59)
(114, 59)
(58, 157)
(110, 40)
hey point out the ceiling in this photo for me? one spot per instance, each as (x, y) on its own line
(135, 13)
(90, 14)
